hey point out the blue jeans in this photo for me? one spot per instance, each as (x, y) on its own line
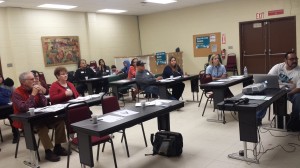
(295, 99)
(154, 90)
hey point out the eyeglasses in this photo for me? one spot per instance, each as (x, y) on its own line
(30, 79)
(293, 59)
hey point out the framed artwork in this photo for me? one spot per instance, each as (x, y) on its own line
(60, 50)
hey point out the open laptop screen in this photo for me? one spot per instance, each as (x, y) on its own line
(270, 80)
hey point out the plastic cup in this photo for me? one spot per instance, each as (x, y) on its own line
(94, 119)
(143, 103)
(86, 78)
(31, 111)
(171, 76)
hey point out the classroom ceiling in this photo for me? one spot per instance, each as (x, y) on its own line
(133, 7)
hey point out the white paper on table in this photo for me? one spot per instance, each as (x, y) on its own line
(79, 99)
(237, 77)
(215, 82)
(177, 77)
(122, 81)
(110, 118)
(268, 98)
(254, 97)
(52, 108)
(162, 101)
(107, 76)
(125, 113)
(166, 80)
(146, 104)
(224, 80)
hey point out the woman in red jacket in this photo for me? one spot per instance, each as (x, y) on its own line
(62, 91)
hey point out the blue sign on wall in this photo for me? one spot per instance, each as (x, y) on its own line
(202, 42)
(161, 58)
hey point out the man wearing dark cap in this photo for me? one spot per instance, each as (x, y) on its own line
(144, 78)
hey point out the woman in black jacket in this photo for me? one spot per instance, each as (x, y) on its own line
(173, 70)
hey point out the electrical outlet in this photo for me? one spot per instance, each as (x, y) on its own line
(9, 65)
(230, 47)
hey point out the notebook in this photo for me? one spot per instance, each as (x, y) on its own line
(270, 80)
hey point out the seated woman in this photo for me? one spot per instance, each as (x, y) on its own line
(174, 70)
(102, 70)
(131, 74)
(6, 90)
(217, 71)
(42, 84)
(81, 73)
(125, 69)
(62, 90)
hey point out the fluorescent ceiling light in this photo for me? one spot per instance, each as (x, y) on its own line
(111, 11)
(1, 1)
(56, 6)
(161, 1)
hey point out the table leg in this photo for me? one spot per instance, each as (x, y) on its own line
(245, 157)
(85, 149)
(163, 122)
(163, 92)
(114, 90)
(218, 97)
(194, 89)
(31, 145)
(90, 88)
(34, 162)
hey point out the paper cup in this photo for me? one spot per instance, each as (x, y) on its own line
(86, 78)
(171, 77)
(94, 119)
(31, 111)
(143, 103)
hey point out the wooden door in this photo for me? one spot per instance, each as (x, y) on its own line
(253, 42)
(263, 43)
(282, 38)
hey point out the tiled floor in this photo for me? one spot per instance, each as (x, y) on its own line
(206, 144)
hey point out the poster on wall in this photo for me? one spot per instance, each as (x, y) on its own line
(161, 58)
(202, 42)
(60, 50)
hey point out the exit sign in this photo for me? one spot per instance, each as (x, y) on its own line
(275, 12)
(260, 15)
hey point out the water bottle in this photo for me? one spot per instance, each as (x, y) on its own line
(245, 71)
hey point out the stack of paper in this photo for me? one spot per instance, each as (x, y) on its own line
(125, 113)
(110, 118)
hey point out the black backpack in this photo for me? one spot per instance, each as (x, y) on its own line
(167, 143)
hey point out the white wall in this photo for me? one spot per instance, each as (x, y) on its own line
(167, 30)
(100, 36)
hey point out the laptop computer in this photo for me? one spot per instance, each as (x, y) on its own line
(270, 80)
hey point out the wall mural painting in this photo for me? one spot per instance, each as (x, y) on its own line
(60, 50)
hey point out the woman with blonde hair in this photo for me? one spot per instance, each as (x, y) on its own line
(215, 69)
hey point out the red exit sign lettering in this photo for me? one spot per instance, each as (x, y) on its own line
(275, 12)
(260, 15)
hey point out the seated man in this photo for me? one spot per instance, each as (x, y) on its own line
(29, 95)
(144, 78)
(288, 72)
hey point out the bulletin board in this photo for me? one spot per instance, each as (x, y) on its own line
(205, 44)
(158, 69)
